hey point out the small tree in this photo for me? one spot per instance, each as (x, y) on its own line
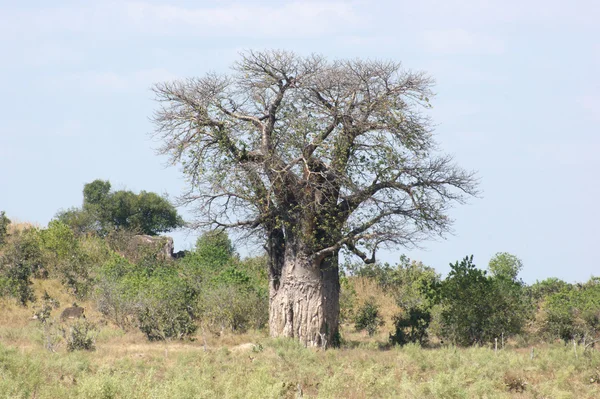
(476, 308)
(572, 313)
(104, 210)
(20, 260)
(411, 326)
(4, 222)
(467, 297)
(368, 317)
(215, 248)
(505, 266)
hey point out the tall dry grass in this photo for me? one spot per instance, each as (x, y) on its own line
(126, 365)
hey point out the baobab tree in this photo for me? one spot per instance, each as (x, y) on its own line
(314, 157)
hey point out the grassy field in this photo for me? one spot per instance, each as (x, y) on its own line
(125, 365)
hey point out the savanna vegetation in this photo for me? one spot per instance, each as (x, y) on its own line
(322, 163)
(197, 326)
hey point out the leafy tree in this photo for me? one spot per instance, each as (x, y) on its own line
(476, 308)
(4, 223)
(368, 317)
(414, 287)
(78, 220)
(573, 313)
(513, 306)
(540, 290)
(411, 326)
(20, 260)
(467, 297)
(215, 248)
(104, 210)
(312, 157)
(165, 309)
(67, 258)
(505, 266)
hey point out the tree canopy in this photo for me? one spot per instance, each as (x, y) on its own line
(314, 157)
(104, 210)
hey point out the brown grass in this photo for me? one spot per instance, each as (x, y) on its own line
(126, 365)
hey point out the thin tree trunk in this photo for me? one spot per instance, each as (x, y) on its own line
(305, 304)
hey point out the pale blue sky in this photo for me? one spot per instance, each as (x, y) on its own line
(518, 100)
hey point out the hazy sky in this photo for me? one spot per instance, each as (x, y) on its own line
(518, 100)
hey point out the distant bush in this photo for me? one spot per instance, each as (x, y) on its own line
(151, 296)
(166, 308)
(229, 307)
(233, 293)
(411, 326)
(73, 260)
(4, 222)
(104, 211)
(368, 317)
(48, 305)
(573, 313)
(117, 290)
(80, 335)
(21, 258)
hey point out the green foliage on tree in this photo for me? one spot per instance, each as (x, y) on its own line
(414, 287)
(476, 308)
(4, 223)
(540, 290)
(73, 260)
(505, 266)
(166, 306)
(21, 258)
(368, 317)
(572, 313)
(215, 248)
(170, 299)
(514, 307)
(411, 326)
(104, 210)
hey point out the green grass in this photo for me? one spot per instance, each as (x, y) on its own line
(282, 368)
(126, 365)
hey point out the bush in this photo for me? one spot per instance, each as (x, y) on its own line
(117, 291)
(48, 304)
(368, 318)
(166, 308)
(71, 259)
(19, 261)
(4, 222)
(152, 296)
(233, 293)
(411, 326)
(229, 307)
(104, 211)
(81, 335)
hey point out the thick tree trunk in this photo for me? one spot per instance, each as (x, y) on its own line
(305, 303)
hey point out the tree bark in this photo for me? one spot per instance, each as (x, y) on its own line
(305, 305)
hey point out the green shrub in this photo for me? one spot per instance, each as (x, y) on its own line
(104, 211)
(233, 308)
(166, 308)
(411, 326)
(4, 223)
(48, 304)
(80, 335)
(368, 318)
(347, 300)
(20, 259)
